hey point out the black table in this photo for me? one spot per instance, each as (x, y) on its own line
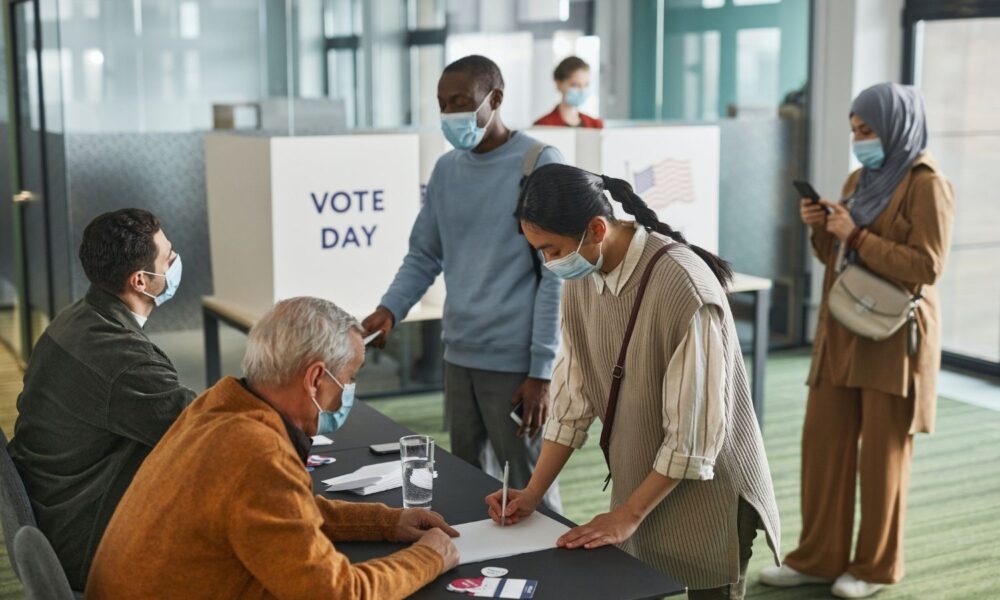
(459, 492)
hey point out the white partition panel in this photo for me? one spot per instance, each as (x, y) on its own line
(330, 216)
(675, 169)
(563, 138)
(339, 218)
(238, 187)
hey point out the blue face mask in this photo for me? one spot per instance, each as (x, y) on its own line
(173, 277)
(869, 153)
(574, 265)
(462, 129)
(330, 421)
(576, 96)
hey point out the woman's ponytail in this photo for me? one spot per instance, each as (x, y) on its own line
(632, 204)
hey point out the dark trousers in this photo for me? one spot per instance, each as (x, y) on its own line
(478, 405)
(747, 523)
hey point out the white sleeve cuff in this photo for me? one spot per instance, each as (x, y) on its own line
(679, 466)
(564, 435)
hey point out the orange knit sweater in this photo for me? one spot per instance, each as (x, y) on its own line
(223, 508)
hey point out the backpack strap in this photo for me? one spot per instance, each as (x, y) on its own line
(531, 160)
(527, 168)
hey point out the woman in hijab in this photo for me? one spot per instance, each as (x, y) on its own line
(895, 220)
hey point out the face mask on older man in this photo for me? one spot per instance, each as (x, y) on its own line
(330, 421)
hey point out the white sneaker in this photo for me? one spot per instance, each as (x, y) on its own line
(785, 576)
(849, 586)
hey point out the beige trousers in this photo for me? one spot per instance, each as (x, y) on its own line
(836, 419)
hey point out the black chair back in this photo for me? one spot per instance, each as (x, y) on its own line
(15, 507)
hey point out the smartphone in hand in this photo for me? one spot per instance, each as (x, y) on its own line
(806, 190)
(517, 415)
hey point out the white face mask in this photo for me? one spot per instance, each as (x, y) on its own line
(330, 421)
(462, 129)
(173, 280)
(574, 265)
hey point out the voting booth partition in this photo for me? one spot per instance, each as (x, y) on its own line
(675, 169)
(330, 216)
(325, 216)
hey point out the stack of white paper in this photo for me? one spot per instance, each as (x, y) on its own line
(485, 540)
(369, 479)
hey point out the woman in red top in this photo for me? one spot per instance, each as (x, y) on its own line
(572, 79)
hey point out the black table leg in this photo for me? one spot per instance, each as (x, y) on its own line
(406, 358)
(762, 308)
(213, 353)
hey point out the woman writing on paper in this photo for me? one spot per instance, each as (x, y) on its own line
(690, 481)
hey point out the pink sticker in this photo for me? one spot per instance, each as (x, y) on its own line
(466, 584)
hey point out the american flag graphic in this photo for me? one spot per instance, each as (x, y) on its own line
(665, 183)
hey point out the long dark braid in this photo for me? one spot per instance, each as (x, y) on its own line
(621, 191)
(562, 199)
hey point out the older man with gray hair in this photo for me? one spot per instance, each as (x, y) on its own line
(224, 501)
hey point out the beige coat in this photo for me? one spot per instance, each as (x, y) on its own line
(908, 245)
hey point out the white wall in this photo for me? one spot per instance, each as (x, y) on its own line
(878, 42)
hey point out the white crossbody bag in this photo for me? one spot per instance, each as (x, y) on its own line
(870, 306)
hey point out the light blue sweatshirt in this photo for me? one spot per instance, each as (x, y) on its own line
(496, 316)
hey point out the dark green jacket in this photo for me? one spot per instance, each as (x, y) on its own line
(98, 395)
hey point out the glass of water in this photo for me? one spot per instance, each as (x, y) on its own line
(417, 457)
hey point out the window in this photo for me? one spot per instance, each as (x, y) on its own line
(953, 61)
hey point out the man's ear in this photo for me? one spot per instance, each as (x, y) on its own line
(136, 281)
(312, 377)
(496, 98)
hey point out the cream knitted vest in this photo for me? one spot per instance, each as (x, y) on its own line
(692, 534)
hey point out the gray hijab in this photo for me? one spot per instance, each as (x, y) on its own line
(896, 115)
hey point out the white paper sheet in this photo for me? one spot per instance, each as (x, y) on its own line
(321, 440)
(379, 477)
(368, 475)
(486, 540)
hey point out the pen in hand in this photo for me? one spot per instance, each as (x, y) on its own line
(503, 508)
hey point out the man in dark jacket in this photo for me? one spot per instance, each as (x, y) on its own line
(98, 394)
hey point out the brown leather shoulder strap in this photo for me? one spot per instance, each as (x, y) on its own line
(619, 372)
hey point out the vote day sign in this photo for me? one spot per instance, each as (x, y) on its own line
(331, 220)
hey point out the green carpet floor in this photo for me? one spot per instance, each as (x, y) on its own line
(953, 524)
(953, 521)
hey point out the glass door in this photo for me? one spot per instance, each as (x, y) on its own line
(10, 333)
(33, 303)
(952, 59)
